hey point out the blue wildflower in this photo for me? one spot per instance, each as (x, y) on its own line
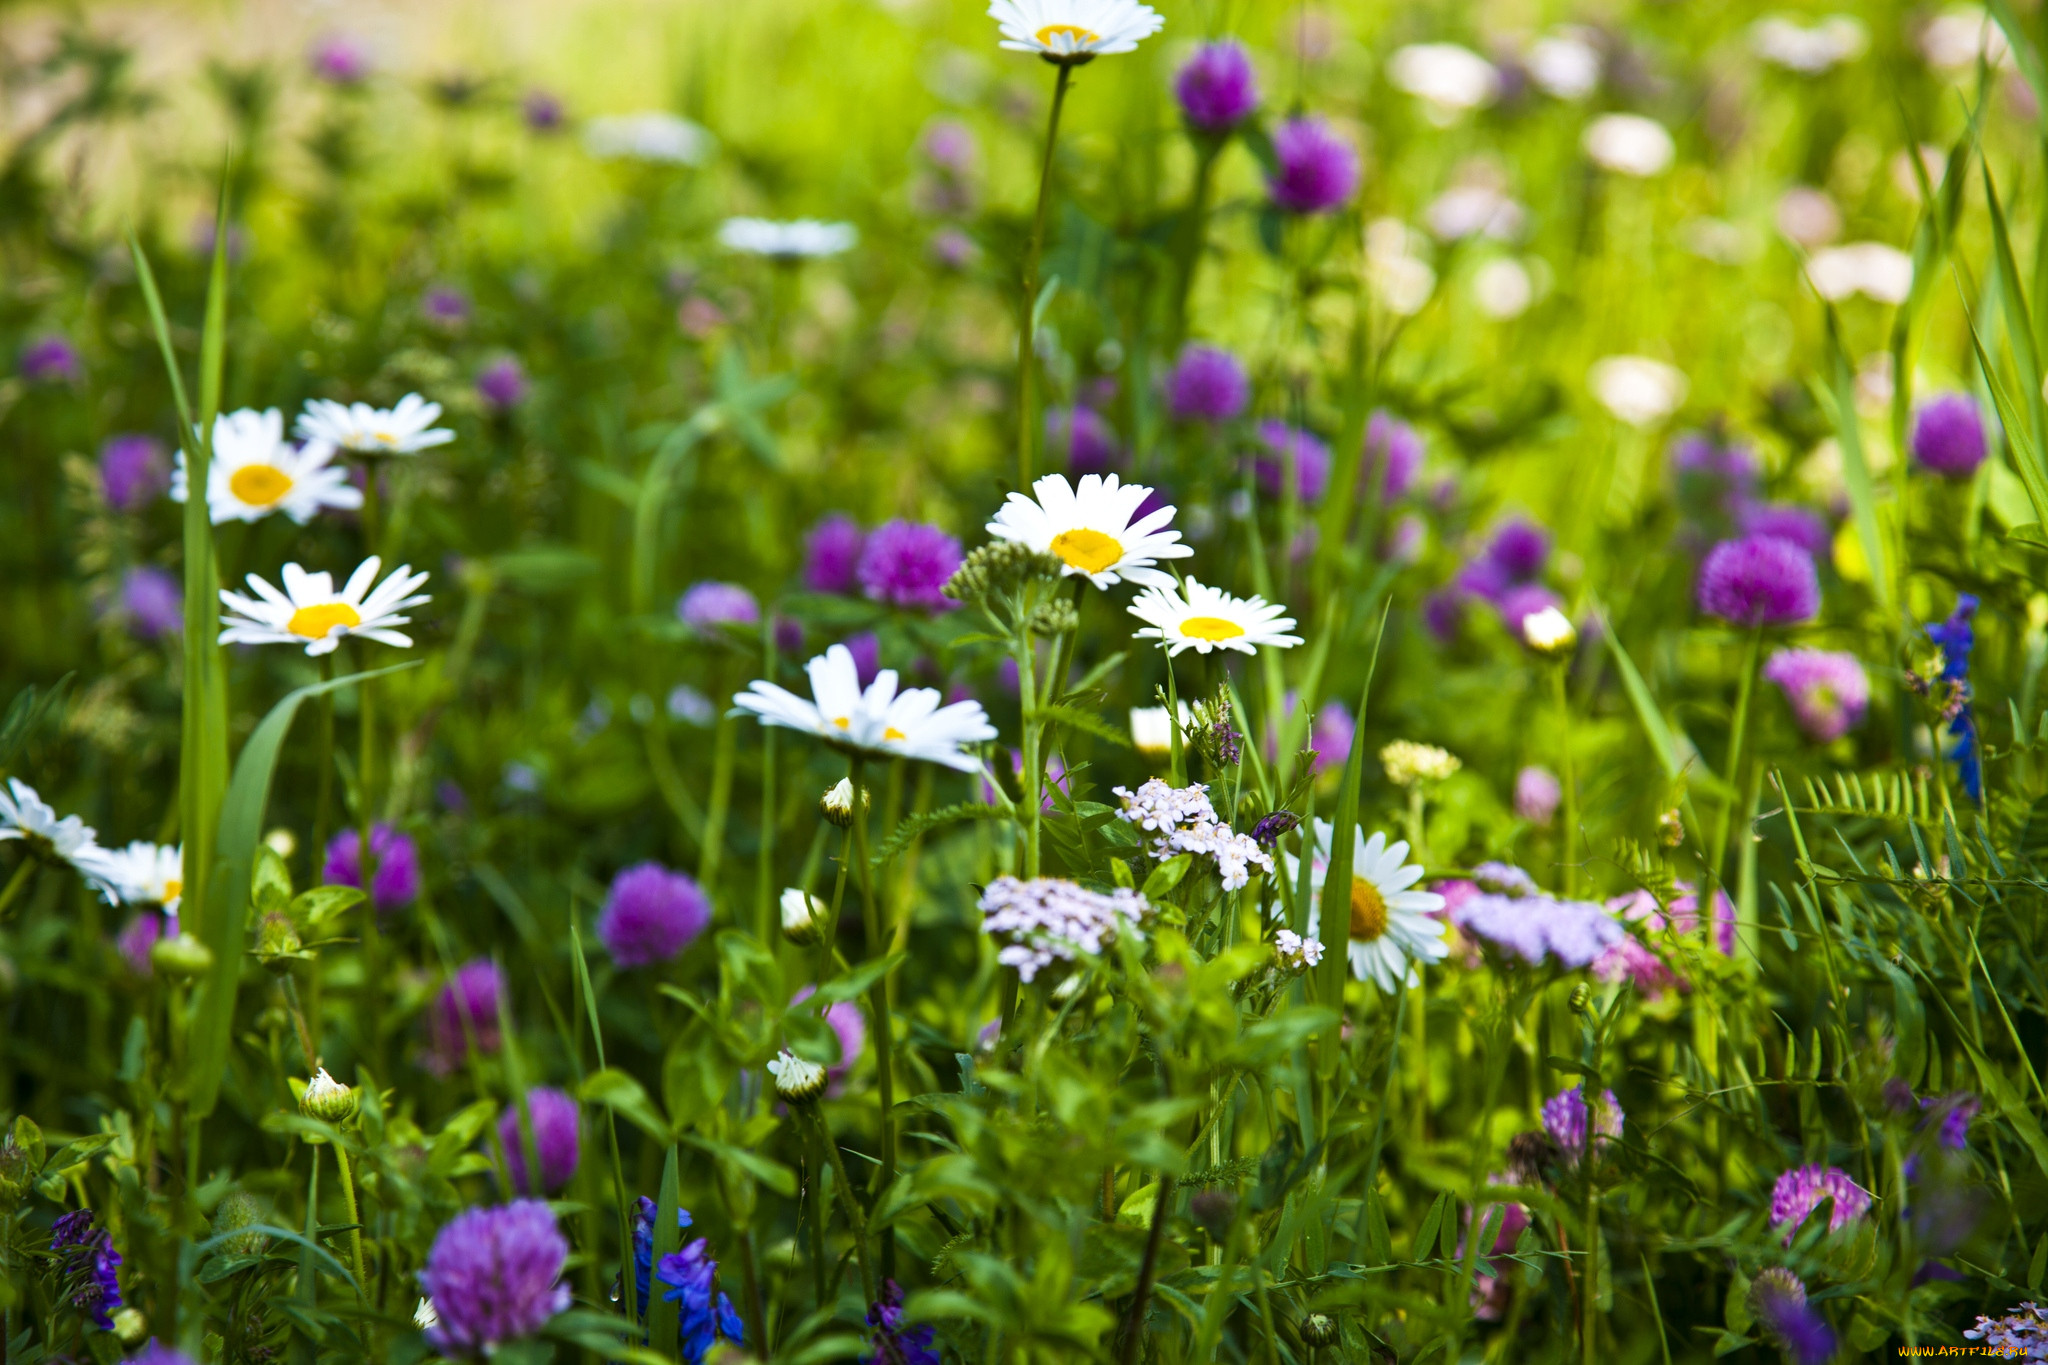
(89, 1266)
(1957, 639)
(895, 1344)
(643, 1247)
(707, 1316)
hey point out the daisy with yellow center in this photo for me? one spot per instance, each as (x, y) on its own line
(1203, 618)
(363, 430)
(1392, 926)
(1093, 529)
(148, 874)
(254, 472)
(876, 720)
(311, 612)
(1071, 32)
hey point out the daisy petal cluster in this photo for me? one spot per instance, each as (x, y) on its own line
(1074, 31)
(796, 240)
(311, 612)
(25, 816)
(1094, 529)
(1187, 823)
(144, 873)
(1203, 619)
(877, 719)
(363, 430)
(1050, 919)
(1393, 925)
(254, 471)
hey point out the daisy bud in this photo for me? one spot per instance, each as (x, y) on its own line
(1582, 999)
(803, 917)
(1318, 1330)
(239, 1209)
(836, 805)
(130, 1326)
(182, 955)
(797, 1081)
(1671, 826)
(424, 1317)
(327, 1099)
(1549, 632)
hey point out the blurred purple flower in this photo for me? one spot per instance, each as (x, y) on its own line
(1828, 691)
(832, 554)
(1217, 89)
(396, 880)
(1283, 445)
(1331, 736)
(1537, 794)
(88, 1267)
(906, 563)
(543, 112)
(1522, 601)
(849, 1025)
(710, 606)
(340, 60)
(445, 307)
(502, 384)
(152, 602)
(1519, 549)
(51, 360)
(1535, 927)
(1084, 437)
(1393, 453)
(651, 914)
(140, 935)
(1799, 1191)
(893, 1342)
(1628, 960)
(1948, 436)
(866, 649)
(1712, 472)
(494, 1275)
(556, 1140)
(1317, 171)
(952, 249)
(133, 471)
(1207, 384)
(1565, 1119)
(1777, 1300)
(1801, 525)
(1759, 580)
(949, 145)
(466, 1009)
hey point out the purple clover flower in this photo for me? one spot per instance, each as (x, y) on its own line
(51, 360)
(1799, 1192)
(396, 880)
(949, 145)
(651, 915)
(445, 307)
(1085, 437)
(156, 1353)
(866, 649)
(894, 1343)
(1317, 171)
(140, 935)
(502, 384)
(832, 554)
(133, 471)
(952, 249)
(1777, 1300)
(1802, 526)
(466, 1010)
(1518, 550)
(1283, 445)
(1629, 960)
(1713, 472)
(1207, 384)
(1827, 690)
(1331, 736)
(340, 60)
(1217, 89)
(709, 606)
(1537, 794)
(556, 1132)
(152, 602)
(543, 112)
(906, 563)
(1948, 436)
(1759, 581)
(87, 1266)
(1393, 454)
(1565, 1119)
(495, 1275)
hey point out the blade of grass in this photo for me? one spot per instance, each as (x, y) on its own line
(1333, 926)
(1855, 469)
(663, 1314)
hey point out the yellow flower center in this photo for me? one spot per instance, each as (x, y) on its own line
(259, 485)
(1210, 628)
(892, 733)
(173, 888)
(1050, 35)
(843, 722)
(314, 622)
(1368, 910)
(1088, 551)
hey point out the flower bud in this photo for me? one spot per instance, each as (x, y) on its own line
(277, 941)
(1549, 632)
(239, 1209)
(797, 1081)
(425, 1317)
(327, 1099)
(181, 956)
(282, 842)
(130, 1326)
(1671, 826)
(1318, 1330)
(836, 805)
(1582, 999)
(803, 917)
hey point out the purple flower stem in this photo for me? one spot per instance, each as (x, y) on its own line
(1737, 738)
(1027, 370)
(1561, 676)
(1194, 231)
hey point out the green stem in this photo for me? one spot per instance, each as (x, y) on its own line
(355, 1232)
(1193, 235)
(1589, 1292)
(366, 870)
(721, 799)
(764, 870)
(1027, 374)
(878, 1005)
(1571, 784)
(1032, 779)
(323, 802)
(16, 882)
(818, 1222)
(1738, 736)
(855, 1217)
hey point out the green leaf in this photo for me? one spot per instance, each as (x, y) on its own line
(225, 924)
(1648, 715)
(912, 826)
(322, 903)
(1167, 876)
(1087, 722)
(622, 1094)
(1432, 1222)
(773, 1174)
(857, 982)
(663, 1314)
(31, 708)
(1333, 925)
(1855, 469)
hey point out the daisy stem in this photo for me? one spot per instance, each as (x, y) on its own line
(1571, 782)
(355, 1233)
(713, 847)
(878, 1007)
(366, 876)
(1032, 779)
(323, 805)
(1028, 305)
(26, 866)
(855, 1218)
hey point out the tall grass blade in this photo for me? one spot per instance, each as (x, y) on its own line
(1334, 921)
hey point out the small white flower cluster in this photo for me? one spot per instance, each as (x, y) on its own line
(1295, 953)
(1051, 919)
(1187, 823)
(1408, 763)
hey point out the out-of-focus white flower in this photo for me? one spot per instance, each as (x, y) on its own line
(1549, 631)
(1808, 216)
(1450, 80)
(1152, 732)
(1408, 763)
(254, 471)
(1470, 210)
(1933, 163)
(1565, 64)
(148, 874)
(1958, 37)
(790, 241)
(363, 430)
(1502, 288)
(1717, 240)
(1876, 271)
(27, 817)
(1809, 51)
(1074, 31)
(1399, 276)
(1629, 144)
(650, 136)
(1638, 390)
(803, 917)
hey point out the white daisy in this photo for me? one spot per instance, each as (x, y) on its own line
(254, 471)
(1629, 144)
(1207, 618)
(877, 721)
(148, 874)
(1449, 79)
(29, 818)
(803, 237)
(652, 136)
(311, 612)
(1391, 925)
(363, 430)
(1152, 728)
(1074, 31)
(1089, 528)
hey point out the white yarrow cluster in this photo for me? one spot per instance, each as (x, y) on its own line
(1187, 823)
(1050, 919)
(1408, 763)
(1296, 953)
